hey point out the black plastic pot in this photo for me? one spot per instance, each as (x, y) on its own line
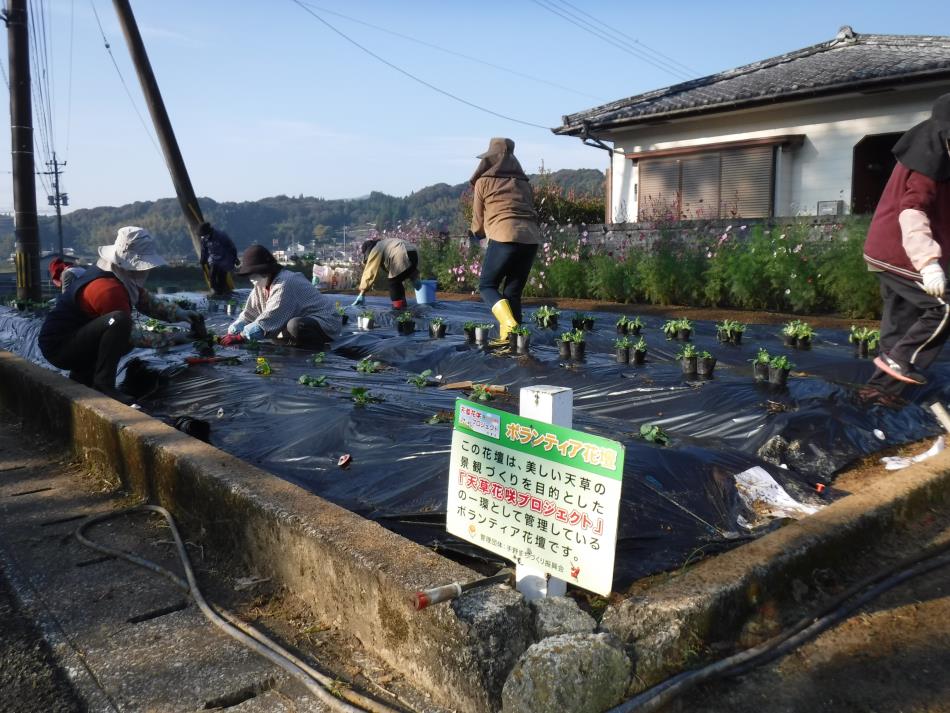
(638, 357)
(790, 340)
(469, 333)
(437, 331)
(622, 329)
(578, 350)
(563, 349)
(366, 323)
(861, 349)
(577, 323)
(623, 355)
(634, 331)
(723, 336)
(688, 364)
(704, 367)
(735, 337)
(482, 336)
(760, 371)
(344, 318)
(548, 322)
(778, 377)
(523, 343)
(683, 334)
(406, 328)
(512, 341)
(803, 342)
(589, 324)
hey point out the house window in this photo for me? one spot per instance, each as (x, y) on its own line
(732, 182)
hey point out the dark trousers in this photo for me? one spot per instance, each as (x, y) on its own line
(92, 354)
(219, 280)
(914, 327)
(305, 332)
(397, 287)
(508, 262)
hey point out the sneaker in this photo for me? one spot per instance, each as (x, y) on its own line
(901, 373)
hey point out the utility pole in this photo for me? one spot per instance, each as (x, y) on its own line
(57, 199)
(28, 286)
(163, 126)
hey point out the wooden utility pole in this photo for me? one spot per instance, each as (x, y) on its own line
(28, 286)
(57, 199)
(163, 126)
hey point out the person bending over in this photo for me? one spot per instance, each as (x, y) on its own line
(400, 260)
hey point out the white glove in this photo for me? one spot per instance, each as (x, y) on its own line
(935, 281)
(236, 326)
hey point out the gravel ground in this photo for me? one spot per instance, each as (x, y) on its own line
(30, 680)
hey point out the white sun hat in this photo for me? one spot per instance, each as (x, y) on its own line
(134, 249)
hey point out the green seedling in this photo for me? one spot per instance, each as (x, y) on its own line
(670, 328)
(761, 357)
(420, 381)
(318, 358)
(578, 336)
(340, 310)
(361, 396)
(367, 314)
(263, 367)
(157, 326)
(705, 355)
(687, 351)
(521, 331)
(641, 345)
(314, 381)
(440, 417)
(654, 434)
(480, 392)
(404, 318)
(368, 366)
(468, 326)
(437, 321)
(865, 334)
(781, 362)
(623, 343)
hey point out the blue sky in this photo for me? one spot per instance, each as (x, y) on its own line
(266, 100)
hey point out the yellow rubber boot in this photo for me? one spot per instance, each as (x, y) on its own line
(506, 322)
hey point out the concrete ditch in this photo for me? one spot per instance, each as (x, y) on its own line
(359, 575)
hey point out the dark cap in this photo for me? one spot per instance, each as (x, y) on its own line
(258, 260)
(498, 146)
(204, 229)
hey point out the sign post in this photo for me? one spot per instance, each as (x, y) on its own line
(539, 494)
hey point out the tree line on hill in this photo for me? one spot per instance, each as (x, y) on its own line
(284, 219)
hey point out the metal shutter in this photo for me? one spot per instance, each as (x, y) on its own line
(658, 189)
(699, 187)
(747, 179)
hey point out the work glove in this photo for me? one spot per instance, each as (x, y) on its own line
(230, 340)
(196, 320)
(935, 281)
(359, 301)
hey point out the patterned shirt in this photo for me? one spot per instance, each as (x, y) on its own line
(290, 295)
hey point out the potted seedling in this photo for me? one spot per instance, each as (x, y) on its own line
(420, 381)
(341, 313)
(578, 345)
(790, 333)
(760, 365)
(481, 392)
(705, 364)
(482, 333)
(639, 351)
(366, 319)
(580, 320)
(564, 345)
(312, 381)
(865, 340)
(469, 329)
(623, 324)
(546, 317)
(687, 356)
(804, 335)
(669, 328)
(522, 339)
(778, 370)
(652, 433)
(231, 308)
(263, 367)
(437, 327)
(684, 328)
(634, 326)
(405, 324)
(729, 331)
(622, 347)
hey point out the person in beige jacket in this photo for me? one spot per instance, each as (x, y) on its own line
(503, 211)
(399, 258)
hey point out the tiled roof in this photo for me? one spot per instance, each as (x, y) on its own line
(848, 63)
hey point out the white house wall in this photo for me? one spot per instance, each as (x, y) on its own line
(819, 170)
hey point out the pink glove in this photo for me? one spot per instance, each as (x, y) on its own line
(230, 339)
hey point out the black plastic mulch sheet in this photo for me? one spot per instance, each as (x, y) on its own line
(677, 501)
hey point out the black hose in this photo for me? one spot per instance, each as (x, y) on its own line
(805, 629)
(316, 682)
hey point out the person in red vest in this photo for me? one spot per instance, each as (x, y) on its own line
(908, 246)
(90, 329)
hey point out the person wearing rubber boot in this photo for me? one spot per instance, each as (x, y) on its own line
(218, 259)
(503, 211)
(908, 245)
(399, 258)
(90, 329)
(282, 304)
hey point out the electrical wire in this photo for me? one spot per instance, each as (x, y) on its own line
(452, 52)
(69, 93)
(808, 628)
(593, 30)
(321, 685)
(607, 28)
(413, 77)
(125, 86)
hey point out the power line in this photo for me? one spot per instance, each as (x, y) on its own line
(620, 33)
(125, 86)
(446, 50)
(69, 96)
(599, 34)
(412, 76)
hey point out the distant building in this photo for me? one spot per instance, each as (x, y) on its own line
(804, 133)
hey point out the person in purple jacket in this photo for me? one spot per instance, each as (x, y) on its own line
(908, 245)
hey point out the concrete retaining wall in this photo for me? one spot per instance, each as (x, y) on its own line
(354, 573)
